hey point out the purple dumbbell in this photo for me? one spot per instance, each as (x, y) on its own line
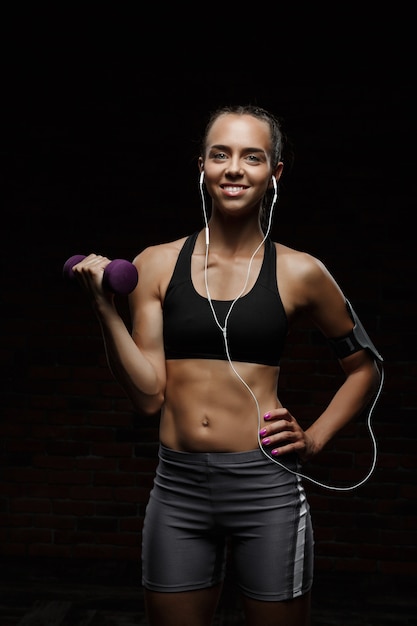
(120, 276)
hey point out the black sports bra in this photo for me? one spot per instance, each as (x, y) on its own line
(257, 326)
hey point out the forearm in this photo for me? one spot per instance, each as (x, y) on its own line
(348, 403)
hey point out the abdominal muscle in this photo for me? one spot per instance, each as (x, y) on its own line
(209, 409)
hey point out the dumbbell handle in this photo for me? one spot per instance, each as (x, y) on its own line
(120, 276)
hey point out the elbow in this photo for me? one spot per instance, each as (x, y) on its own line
(148, 405)
(375, 378)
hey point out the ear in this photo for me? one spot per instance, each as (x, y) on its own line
(277, 171)
(200, 164)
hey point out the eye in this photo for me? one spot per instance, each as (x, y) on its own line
(219, 156)
(253, 158)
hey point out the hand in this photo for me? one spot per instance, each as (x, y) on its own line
(283, 431)
(89, 272)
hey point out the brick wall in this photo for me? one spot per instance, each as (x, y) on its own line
(109, 176)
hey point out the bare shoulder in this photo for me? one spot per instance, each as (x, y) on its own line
(300, 265)
(159, 256)
(155, 265)
(307, 286)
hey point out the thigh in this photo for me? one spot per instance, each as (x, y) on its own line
(188, 608)
(272, 538)
(182, 549)
(295, 612)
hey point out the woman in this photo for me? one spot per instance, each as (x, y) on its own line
(210, 316)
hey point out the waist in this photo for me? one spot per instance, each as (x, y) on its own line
(206, 458)
(246, 458)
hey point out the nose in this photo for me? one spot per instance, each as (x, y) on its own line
(234, 167)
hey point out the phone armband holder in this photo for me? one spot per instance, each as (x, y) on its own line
(357, 339)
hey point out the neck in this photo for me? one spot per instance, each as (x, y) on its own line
(234, 235)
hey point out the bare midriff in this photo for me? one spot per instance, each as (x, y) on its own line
(209, 409)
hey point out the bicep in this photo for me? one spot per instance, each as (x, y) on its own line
(147, 321)
(326, 302)
(330, 314)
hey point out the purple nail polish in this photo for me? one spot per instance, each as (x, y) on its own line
(266, 441)
(267, 416)
(262, 432)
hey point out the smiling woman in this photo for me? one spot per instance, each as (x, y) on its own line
(237, 168)
(210, 316)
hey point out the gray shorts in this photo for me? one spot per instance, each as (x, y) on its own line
(204, 504)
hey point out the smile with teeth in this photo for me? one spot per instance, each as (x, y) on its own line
(233, 188)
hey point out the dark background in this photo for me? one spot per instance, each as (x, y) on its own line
(102, 117)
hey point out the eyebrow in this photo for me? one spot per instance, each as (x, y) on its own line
(222, 147)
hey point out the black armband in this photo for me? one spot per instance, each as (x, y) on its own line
(357, 339)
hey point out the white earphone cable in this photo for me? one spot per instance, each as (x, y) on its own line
(224, 332)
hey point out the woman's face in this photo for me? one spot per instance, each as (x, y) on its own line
(237, 162)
